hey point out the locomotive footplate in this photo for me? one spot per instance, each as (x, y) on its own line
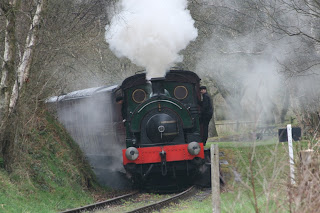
(177, 152)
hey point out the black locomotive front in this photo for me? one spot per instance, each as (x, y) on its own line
(162, 126)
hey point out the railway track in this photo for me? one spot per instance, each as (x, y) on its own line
(147, 208)
(99, 205)
(162, 203)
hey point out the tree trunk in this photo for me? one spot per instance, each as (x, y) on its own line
(8, 65)
(285, 107)
(275, 112)
(7, 79)
(25, 64)
(7, 136)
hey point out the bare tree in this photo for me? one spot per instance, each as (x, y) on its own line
(45, 43)
(247, 36)
(14, 72)
(298, 21)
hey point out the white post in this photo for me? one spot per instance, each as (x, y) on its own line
(215, 178)
(289, 131)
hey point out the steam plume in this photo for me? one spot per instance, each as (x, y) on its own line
(151, 33)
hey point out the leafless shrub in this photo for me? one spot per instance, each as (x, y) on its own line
(305, 194)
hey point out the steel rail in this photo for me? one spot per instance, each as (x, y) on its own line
(100, 204)
(160, 204)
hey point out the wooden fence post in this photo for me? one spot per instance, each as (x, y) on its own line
(215, 178)
(306, 159)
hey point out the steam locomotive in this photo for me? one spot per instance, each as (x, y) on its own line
(163, 135)
(156, 130)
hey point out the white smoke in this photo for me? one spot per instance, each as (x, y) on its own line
(248, 68)
(151, 33)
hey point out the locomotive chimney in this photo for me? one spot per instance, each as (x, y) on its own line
(157, 86)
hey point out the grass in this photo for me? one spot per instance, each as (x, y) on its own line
(230, 202)
(264, 162)
(28, 198)
(50, 175)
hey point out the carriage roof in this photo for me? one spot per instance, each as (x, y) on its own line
(85, 93)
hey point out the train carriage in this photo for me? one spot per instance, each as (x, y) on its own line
(94, 121)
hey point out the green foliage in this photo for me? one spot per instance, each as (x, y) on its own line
(51, 175)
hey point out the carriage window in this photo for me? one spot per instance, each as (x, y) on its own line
(180, 92)
(139, 96)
